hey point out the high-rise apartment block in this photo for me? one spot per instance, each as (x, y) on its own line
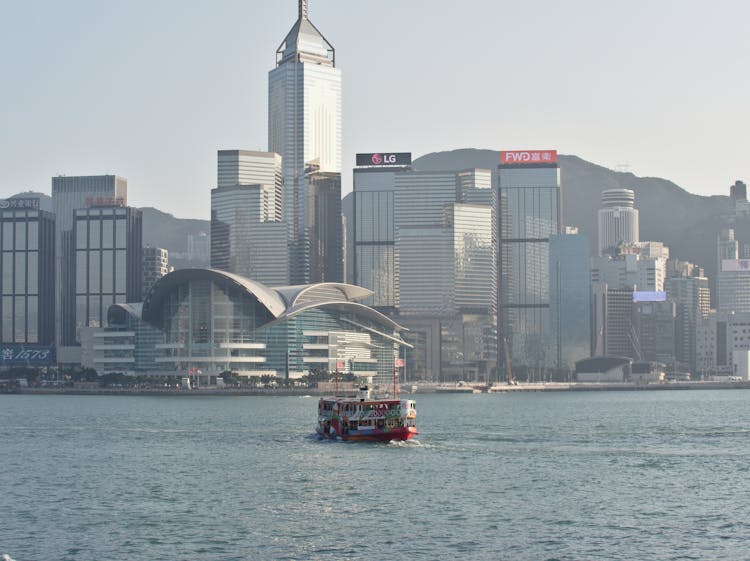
(155, 266)
(617, 219)
(529, 213)
(304, 127)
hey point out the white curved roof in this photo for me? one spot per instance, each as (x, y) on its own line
(282, 302)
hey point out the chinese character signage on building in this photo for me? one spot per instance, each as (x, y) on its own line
(528, 157)
(32, 204)
(384, 159)
(105, 201)
(15, 354)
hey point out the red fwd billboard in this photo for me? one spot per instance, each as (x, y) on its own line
(528, 157)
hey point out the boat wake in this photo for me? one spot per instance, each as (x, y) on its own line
(412, 443)
(6, 557)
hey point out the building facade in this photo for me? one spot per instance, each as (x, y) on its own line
(373, 229)
(27, 271)
(248, 235)
(529, 213)
(569, 291)
(617, 219)
(217, 321)
(108, 265)
(68, 195)
(155, 266)
(304, 125)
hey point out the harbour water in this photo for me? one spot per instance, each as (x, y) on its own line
(563, 476)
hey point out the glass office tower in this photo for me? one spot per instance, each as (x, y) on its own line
(529, 213)
(374, 228)
(108, 263)
(27, 279)
(68, 195)
(569, 297)
(304, 125)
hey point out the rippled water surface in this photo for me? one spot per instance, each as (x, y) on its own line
(566, 476)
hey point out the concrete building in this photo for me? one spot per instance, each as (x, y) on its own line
(654, 327)
(692, 299)
(617, 219)
(629, 271)
(155, 266)
(304, 125)
(733, 286)
(529, 213)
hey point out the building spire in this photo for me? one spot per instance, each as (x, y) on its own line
(302, 9)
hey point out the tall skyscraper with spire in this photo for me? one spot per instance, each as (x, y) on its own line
(304, 127)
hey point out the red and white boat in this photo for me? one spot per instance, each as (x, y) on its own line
(366, 418)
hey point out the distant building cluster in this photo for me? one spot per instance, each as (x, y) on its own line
(458, 275)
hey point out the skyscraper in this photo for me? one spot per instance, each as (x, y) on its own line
(27, 277)
(304, 126)
(569, 296)
(618, 219)
(68, 195)
(444, 267)
(108, 264)
(248, 236)
(373, 228)
(529, 213)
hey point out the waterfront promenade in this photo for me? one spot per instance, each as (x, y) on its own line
(421, 388)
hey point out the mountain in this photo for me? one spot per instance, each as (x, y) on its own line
(161, 229)
(689, 224)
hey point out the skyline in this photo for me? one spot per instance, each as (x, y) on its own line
(644, 91)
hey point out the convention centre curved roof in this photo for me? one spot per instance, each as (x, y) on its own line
(282, 302)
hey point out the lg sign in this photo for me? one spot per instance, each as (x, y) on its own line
(384, 159)
(529, 157)
(379, 159)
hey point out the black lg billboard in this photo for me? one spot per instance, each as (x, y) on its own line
(384, 159)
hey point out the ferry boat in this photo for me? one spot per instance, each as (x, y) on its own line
(364, 418)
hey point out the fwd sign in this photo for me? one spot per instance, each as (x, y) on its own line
(528, 157)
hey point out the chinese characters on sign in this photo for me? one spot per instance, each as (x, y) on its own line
(529, 157)
(30, 355)
(32, 204)
(105, 201)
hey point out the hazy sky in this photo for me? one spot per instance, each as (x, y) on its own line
(150, 90)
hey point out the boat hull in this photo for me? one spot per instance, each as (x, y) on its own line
(377, 435)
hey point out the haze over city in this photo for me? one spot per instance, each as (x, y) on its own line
(150, 91)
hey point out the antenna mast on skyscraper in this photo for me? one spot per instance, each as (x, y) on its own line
(302, 9)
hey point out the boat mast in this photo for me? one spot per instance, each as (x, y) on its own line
(395, 377)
